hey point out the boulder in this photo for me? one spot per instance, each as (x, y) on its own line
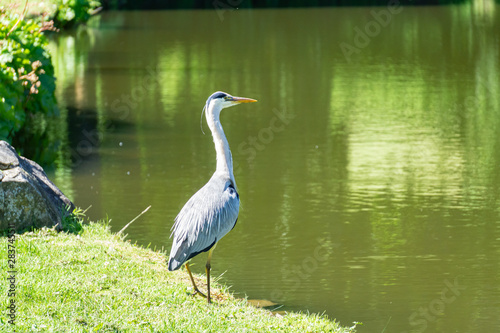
(27, 197)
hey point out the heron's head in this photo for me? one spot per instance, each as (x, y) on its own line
(220, 100)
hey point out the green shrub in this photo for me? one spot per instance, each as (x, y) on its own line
(71, 12)
(27, 83)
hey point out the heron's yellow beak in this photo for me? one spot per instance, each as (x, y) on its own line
(239, 100)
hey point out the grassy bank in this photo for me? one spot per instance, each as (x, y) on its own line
(94, 281)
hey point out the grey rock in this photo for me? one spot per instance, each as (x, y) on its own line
(8, 156)
(27, 197)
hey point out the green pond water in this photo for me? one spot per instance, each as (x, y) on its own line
(368, 172)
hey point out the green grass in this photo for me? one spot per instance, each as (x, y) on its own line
(94, 281)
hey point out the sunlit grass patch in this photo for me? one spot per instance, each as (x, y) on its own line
(95, 281)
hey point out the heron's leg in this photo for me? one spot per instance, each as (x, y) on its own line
(207, 268)
(196, 290)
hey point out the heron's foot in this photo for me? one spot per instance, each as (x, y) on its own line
(198, 292)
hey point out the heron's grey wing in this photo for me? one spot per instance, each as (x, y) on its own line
(209, 215)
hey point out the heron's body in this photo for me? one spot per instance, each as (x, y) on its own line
(212, 211)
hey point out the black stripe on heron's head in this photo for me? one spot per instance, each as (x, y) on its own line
(215, 95)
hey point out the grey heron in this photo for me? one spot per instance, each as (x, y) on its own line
(212, 211)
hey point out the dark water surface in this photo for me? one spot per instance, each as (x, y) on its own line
(369, 171)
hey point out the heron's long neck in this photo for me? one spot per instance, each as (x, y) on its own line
(224, 158)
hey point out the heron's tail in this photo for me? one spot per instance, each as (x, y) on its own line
(173, 264)
(177, 255)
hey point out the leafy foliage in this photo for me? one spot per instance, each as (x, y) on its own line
(26, 73)
(27, 82)
(28, 104)
(71, 12)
